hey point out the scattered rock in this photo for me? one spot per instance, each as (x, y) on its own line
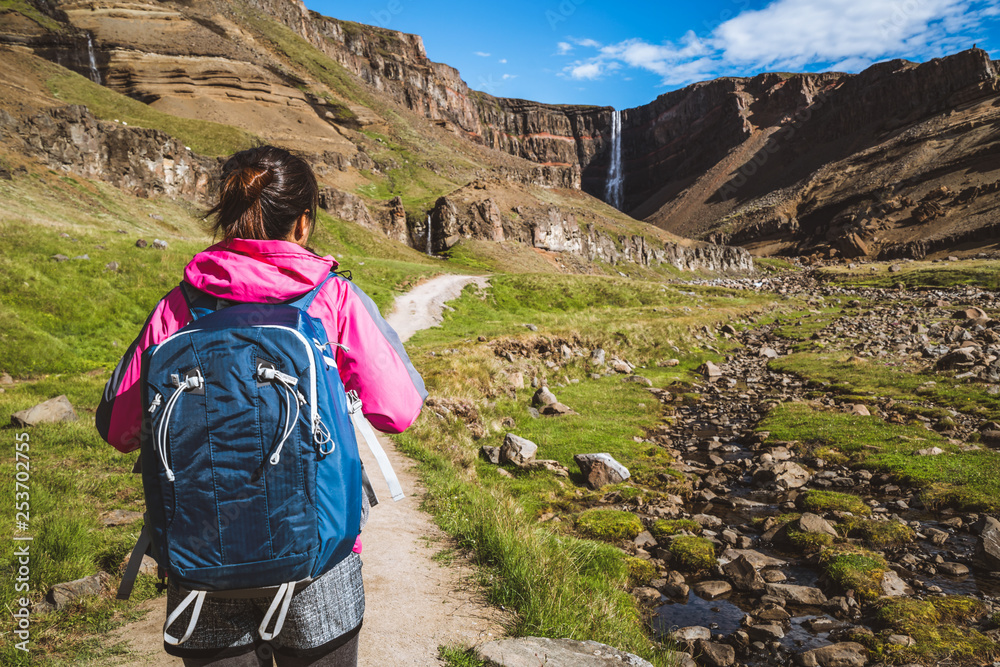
(714, 654)
(710, 370)
(517, 450)
(543, 397)
(60, 257)
(813, 523)
(710, 590)
(111, 266)
(490, 453)
(691, 633)
(743, 574)
(557, 409)
(804, 595)
(62, 594)
(159, 244)
(601, 469)
(846, 654)
(54, 410)
(141, 243)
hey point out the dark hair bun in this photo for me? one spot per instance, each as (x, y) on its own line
(264, 191)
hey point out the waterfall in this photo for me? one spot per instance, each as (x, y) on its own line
(95, 76)
(430, 251)
(613, 189)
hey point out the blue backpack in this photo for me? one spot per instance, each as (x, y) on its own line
(249, 460)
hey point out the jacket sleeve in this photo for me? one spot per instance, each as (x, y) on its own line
(119, 416)
(371, 359)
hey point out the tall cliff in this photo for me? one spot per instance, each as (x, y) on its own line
(792, 163)
(397, 140)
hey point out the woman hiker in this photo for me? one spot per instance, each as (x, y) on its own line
(265, 214)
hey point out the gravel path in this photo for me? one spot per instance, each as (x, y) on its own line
(414, 604)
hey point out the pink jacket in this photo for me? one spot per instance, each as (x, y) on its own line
(373, 361)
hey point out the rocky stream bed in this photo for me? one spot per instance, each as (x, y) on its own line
(819, 560)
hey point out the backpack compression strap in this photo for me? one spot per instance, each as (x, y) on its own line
(354, 407)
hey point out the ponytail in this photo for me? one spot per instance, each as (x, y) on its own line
(264, 191)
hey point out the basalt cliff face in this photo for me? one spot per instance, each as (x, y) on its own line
(366, 104)
(832, 163)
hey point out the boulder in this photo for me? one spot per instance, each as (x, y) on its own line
(673, 585)
(557, 409)
(790, 475)
(987, 554)
(714, 654)
(601, 469)
(756, 558)
(953, 569)
(743, 574)
(543, 397)
(710, 590)
(54, 410)
(517, 450)
(710, 370)
(813, 523)
(490, 453)
(597, 357)
(894, 586)
(62, 594)
(845, 654)
(534, 651)
(804, 595)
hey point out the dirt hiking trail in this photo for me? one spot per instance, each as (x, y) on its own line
(413, 603)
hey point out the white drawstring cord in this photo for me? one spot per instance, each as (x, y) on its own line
(321, 436)
(286, 382)
(190, 382)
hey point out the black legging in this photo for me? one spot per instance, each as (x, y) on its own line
(345, 655)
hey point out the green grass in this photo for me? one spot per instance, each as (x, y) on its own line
(27, 9)
(559, 586)
(74, 477)
(855, 377)
(877, 534)
(667, 527)
(923, 274)
(204, 137)
(459, 656)
(854, 568)
(963, 480)
(819, 501)
(692, 554)
(938, 625)
(609, 525)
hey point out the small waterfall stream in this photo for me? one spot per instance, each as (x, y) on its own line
(95, 75)
(613, 189)
(430, 250)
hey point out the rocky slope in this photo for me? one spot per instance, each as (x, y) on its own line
(892, 162)
(356, 99)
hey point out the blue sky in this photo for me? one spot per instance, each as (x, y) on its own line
(624, 54)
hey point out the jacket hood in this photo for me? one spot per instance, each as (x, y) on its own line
(251, 271)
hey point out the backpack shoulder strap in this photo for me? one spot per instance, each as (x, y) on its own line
(303, 302)
(200, 303)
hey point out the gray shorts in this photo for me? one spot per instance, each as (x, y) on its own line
(322, 616)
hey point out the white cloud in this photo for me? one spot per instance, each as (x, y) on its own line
(482, 54)
(503, 61)
(505, 77)
(840, 35)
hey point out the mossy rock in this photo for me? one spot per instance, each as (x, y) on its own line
(938, 626)
(809, 542)
(693, 554)
(609, 525)
(640, 572)
(854, 568)
(819, 501)
(877, 534)
(668, 527)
